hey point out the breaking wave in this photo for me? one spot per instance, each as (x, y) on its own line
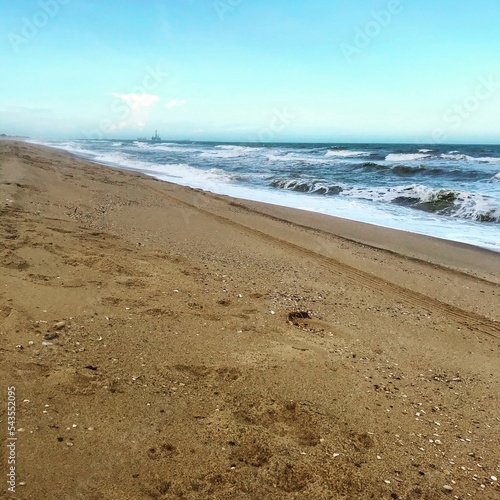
(410, 170)
(345, 153)
(406, 156)
(488, 160)
(292, 157)
(307, 186)
(461, 204)
(229, 151)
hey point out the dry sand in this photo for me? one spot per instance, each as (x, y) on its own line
(182, 362)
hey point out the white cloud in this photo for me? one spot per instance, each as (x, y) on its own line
(119, 126)
(176, 102)
(138, 101)
(125, 124)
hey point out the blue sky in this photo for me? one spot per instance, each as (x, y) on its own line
(249, 70)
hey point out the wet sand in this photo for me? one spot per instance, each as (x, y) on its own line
(169, 343)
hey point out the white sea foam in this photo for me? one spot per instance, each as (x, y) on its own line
(192, 176)
(318, 186)
(463, 204)
(476, 207)
(460, 204)
(189, 173)
(488, 160)
(233, 147)
(168, 147)
(485, 159)
(172, 148)
(406, 156)
(425, 150)
(289, 157)
(220, 154)
(115, 158)
(345, 153)
(74, 147)
(229, 151)
(456, 156)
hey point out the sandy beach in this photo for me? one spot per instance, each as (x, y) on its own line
(167, 343)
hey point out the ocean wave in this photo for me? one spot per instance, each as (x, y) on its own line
(293, 157)
(173, 148)
(74, 147)
(425, 150)
(459, 204)
(423, 170)
(221, 154)
(406, 156)
(117, 158)
(167, 147)
(488, 160)
(307, 186)
(233, 147)
(187, 172)
(92, 141)
(463, 157)
(345, 153)
(229, 151)
(179, 171)
(456, 156)
(403, 170)
(152, 145)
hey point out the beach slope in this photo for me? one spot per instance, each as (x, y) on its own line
(165, 342)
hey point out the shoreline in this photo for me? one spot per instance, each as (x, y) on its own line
(165, 342)
(420, 246)
(446, 228)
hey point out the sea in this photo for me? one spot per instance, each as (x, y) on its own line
(447, 191)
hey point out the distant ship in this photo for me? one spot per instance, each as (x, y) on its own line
(156, 137)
